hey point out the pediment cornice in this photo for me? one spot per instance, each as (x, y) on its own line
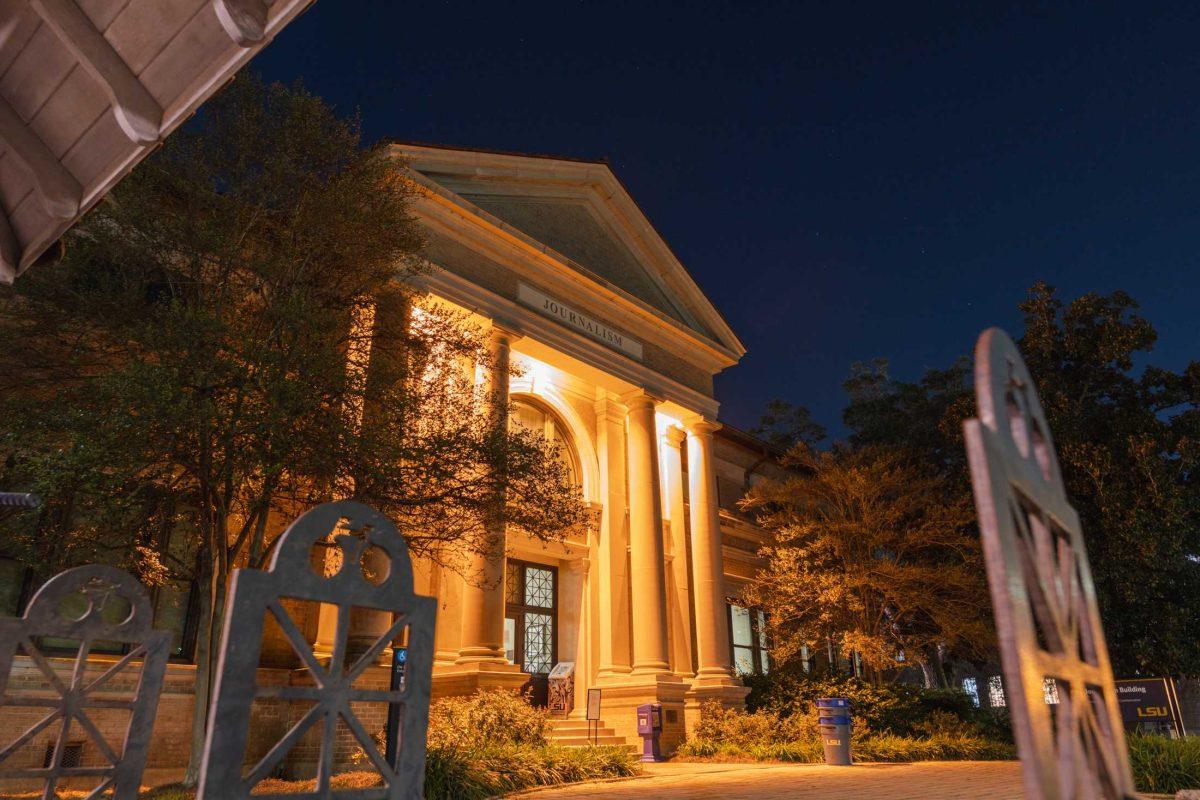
(441, 174)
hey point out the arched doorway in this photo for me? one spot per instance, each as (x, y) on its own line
(531, 589)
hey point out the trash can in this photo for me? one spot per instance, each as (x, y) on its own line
(833, 719)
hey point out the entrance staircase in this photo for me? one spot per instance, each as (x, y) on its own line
(574, 733)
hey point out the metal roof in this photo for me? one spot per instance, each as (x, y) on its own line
(88, 88)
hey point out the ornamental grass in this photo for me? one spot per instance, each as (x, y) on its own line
(1164, 766)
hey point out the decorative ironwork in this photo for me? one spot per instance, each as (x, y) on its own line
(1042, 592)
(79, 605)
(254, 594)
(539, 587)
(539, 643)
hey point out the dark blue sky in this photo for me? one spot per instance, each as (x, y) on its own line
(844, 182)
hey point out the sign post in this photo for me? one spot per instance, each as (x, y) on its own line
(593, 715)
(396, 683)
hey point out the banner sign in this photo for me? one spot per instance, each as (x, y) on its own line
(1150, 704)
(577, 320)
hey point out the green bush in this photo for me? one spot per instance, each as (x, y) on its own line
(1164, 766)
(486, 718)
(898, 709)
(770, 736)
(456, 774)
(494, 742)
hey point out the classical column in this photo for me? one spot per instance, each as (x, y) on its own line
(372, 358)
(368, 624)
(483, 595)
(679, 603)
(708, 572)
(646, 578)
(612, 551)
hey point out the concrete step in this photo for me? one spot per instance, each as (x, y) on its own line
(583, 741)
(576, 733)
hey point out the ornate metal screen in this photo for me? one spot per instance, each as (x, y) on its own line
(81, 607)
(1042, 592)
(254, 594)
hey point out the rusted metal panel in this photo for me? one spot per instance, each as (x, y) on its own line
(1042, 593)
(254, 594)
(96, 588)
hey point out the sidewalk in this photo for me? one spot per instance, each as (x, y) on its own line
(931, 780)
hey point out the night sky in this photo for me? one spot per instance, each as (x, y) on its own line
(844, 182)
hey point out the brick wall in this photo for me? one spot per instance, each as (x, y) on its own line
(171, 738)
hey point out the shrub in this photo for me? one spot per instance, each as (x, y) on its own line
(1162, 765)
(494, 742)
(720, 724)
(486, 718)
(768, 736)
(456, 774)
(898, 709)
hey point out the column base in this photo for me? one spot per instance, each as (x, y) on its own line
(620, 695)
(451, 680)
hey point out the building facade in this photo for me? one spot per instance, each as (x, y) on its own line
(615, 349)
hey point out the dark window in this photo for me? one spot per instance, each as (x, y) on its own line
(72, 755)
(175, 610)
(14, 576)
(748, 637)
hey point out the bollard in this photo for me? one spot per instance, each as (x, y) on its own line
(833, 719)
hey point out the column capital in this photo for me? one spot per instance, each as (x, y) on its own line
(698, 425)
(505, 330)
(675, 436)
(609, 408)
(639, 399)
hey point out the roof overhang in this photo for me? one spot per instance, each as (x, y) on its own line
(88, 88)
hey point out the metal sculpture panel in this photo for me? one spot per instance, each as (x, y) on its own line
(255, 594)
(78, 605)
(1042, 591)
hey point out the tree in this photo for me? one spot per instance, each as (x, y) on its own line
(785, 425)
(231, 339)
(870, 550)
(1127, 445)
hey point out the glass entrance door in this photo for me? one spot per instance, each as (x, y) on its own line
(530, 622)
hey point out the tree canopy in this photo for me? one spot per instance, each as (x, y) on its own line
(232, 338)
(871, 550)
(1127, 436)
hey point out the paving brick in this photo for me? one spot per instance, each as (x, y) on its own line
(923, 781)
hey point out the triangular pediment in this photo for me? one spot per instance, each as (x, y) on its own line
(580, 211)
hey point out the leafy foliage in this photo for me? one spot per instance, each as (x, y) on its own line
(230, 340)
(871, 550)
(1127, 442)
(499, 770)
(786, 425)
(1162, 765)
(486, 718)
(898, 709)
(768, 736)
(494, 742)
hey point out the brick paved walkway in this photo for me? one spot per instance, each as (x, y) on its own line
(925, 781)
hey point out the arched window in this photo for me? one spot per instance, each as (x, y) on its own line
(535, 417)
